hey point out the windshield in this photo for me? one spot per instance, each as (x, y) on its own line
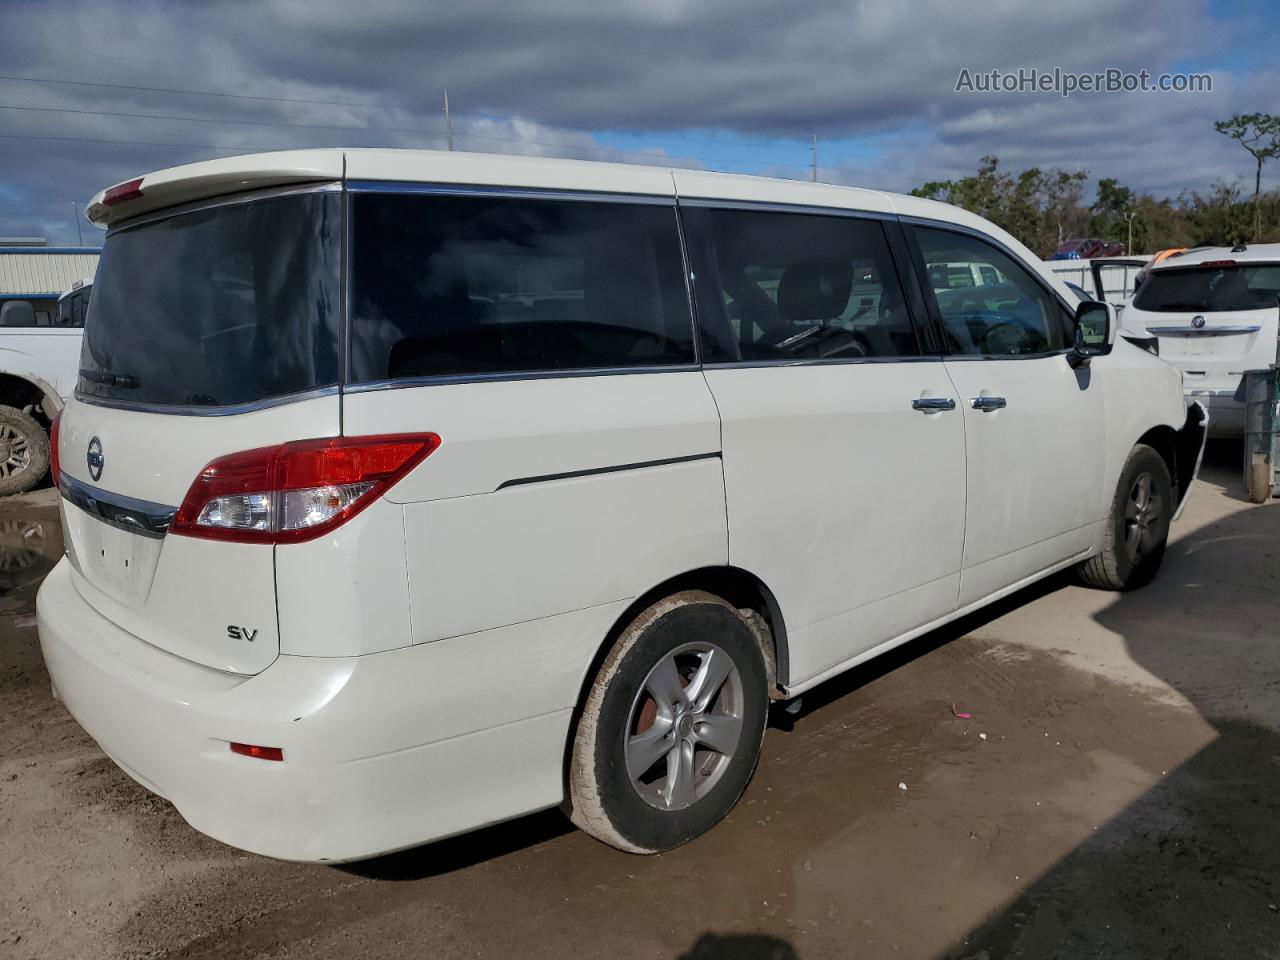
(1245, 287)
(228, 305)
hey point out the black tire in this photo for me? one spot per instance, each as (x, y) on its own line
(1134, 540)
(604, 799)
(24, 451)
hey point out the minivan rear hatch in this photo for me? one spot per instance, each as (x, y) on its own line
(214, 329)
(1214, 320)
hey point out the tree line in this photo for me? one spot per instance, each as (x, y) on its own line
(1045, 208)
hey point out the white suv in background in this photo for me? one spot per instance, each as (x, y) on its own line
(408, 492)
(1214, 313)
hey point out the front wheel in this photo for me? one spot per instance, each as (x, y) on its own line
(671, 728)
(1137, 531)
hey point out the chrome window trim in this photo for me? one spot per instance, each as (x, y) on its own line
(820, 362)
(225, 200)
(773, 206)
(182, 410)
(444, 380)
(450, 380)
(1043, 354)
(414, 187)
(142, 517)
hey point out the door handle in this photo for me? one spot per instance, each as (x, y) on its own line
(987, 404)
(933, 403)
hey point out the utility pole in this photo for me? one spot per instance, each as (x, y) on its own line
(1129, 218)
(76, 208)
(814, 178)
(448, 121)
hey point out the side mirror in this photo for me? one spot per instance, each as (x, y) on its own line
(1095, 332)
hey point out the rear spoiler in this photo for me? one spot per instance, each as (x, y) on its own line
(213, 178)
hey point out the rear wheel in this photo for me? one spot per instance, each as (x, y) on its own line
(671, 729)
(1137, 530)
(24, 451)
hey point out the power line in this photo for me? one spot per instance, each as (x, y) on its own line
(185, 119)
(651, 156)
(242, 149)
(132, 143)
(193, 93)
(375, 106)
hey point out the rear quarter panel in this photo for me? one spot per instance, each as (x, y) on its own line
(522, 513)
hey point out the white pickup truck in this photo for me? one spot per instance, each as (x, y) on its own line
(39, 363)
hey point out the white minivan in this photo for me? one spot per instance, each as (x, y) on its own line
(408, 492)
(1212, 313)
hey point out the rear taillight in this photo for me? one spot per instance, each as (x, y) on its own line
(129, 190)
(297, 491)
(55, 467)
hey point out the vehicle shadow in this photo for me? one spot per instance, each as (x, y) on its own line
(740, 946)
(467, 850)
(1190, 868)
(1226, 459)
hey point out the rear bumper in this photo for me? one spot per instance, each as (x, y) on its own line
(381, 752)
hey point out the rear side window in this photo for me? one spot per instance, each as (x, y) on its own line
(1008, 314)
(455, 286)
(794, 286)
(1210, 289)
(233, 304)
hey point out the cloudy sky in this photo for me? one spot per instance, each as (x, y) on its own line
(95, 91)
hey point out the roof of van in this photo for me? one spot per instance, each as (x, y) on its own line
(1252, 252)
(213, 178)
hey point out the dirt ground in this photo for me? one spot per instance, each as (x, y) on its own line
(1114, 795)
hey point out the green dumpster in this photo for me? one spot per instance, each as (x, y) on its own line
(1262, 433)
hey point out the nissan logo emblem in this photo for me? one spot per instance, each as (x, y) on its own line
(1197, 322)
(94, 458)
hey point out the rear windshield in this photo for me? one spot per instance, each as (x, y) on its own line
(1251, 287)
(229, 305)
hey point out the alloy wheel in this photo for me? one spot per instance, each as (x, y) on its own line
(1142, 513)
(685, 726)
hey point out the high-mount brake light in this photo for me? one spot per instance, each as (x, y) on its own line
(297, 491)
(1218, 263)
(129, 190)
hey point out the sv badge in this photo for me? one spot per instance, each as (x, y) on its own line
(241, 633)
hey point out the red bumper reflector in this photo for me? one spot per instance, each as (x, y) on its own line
(55, 463)
(261, 753)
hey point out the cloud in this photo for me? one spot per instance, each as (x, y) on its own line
(557, 77)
